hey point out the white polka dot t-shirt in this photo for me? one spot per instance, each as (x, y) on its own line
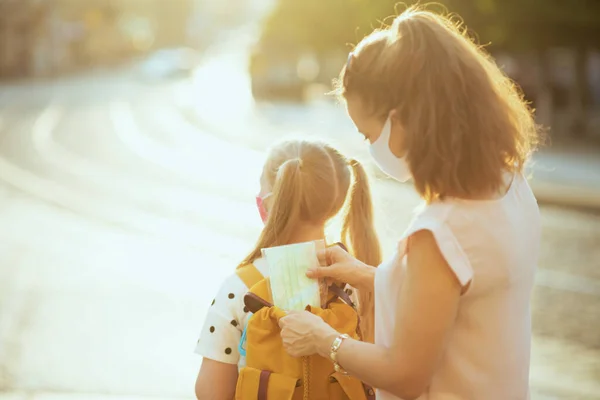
(226, 319)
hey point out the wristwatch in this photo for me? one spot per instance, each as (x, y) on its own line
(335, 346)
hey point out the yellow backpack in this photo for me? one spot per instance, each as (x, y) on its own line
(270, 373)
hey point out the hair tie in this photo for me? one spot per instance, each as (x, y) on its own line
(299, 161)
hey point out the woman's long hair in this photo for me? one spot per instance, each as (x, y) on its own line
(465, 122)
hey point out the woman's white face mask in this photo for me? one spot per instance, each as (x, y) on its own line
(395, 167)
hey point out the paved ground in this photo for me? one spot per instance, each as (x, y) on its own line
(121, 210)
(119, 217)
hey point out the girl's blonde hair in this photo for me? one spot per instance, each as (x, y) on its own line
(311, 182)
(464, 120)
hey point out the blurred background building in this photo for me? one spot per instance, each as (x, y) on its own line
(47, 37)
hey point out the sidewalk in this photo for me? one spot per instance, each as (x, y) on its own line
(567, 176)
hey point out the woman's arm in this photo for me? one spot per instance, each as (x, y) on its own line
(425, 312)
(214, 371)
(342, 267)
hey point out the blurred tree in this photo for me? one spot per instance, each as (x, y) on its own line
(321, 25)
(527, 24)
(511, 24)
(536, 26)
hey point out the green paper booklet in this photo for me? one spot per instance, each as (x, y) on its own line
(290, 289)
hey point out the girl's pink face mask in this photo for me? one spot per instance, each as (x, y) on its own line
(262, 210)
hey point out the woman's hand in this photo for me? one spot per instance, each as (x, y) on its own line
(305, 334)
(342, 267)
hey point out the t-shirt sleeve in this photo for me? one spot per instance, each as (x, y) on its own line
(222, 328)
(448, 244)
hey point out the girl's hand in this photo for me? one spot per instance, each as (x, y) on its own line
(342, 267)
(305, 334)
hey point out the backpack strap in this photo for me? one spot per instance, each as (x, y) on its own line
(335, 289)
(339, 292)
(249, 274)
(369, 392)
(263, 384)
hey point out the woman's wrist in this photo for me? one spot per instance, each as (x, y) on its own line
(325, 340)
(367, 277)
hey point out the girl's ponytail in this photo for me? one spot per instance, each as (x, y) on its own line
(287, 201)
(285, 211)
(358, 230)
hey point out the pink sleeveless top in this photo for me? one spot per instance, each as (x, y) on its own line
(494, 245)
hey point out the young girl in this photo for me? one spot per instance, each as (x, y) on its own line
(304, 185)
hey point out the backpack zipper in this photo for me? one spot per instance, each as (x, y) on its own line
(306, 373)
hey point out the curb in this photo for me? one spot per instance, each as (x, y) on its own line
(566, 195)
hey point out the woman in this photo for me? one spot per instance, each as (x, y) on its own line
(452, 314)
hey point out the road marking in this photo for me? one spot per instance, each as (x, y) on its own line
(202, 167)
(190, 137)
(167, 229)
(42, 130)
(201, 160)
(222, 213)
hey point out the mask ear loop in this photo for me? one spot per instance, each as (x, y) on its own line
(263, 198)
